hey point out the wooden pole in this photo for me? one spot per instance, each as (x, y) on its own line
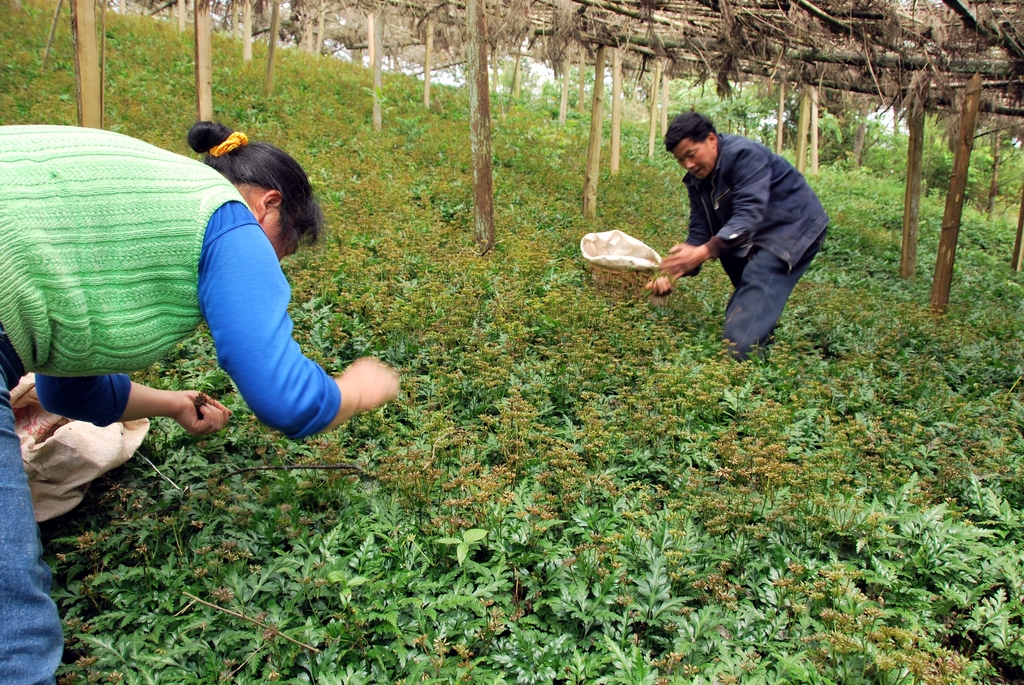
(912, 197)
(801, 136)
(204, 61)
(246, 30)
(616, 110)
(955, 199)
(655, 80)
(860, 135)
(664, 102)
(1017, 262)
(103, 61)
(275, 17)
(993, 188)
(370, 20)
(780, 127)
(87, 63)
(583, 86)
(53, 31)
(814, 131)
(428, 52)
(321, 19)
(594, 148)
(307, 34)
(378, 82)
(496, 85)
(480, 127)
(517, 75)
(563, 107)
(182, 15)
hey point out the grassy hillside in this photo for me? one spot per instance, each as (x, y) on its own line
(847, 512)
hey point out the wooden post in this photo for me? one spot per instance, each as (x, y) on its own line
(428, 51)
(655, 80)
(1017, 262)
(563, 107)
(53, 31)
(955, 199)
(780, 127)
(814, 131)
(860, 135)
(182, 15)
(370, 21)
(307, 33)
(321, 19)
(480, 127)
(616, 110)
(204, 61)
(275, 18)
(664, 102)
(583, 86)
(517, 75)
(801, 135)
(376, 57)
(594, 148)
(103, 64)
(246, 30)
(87, 63)
(993, 188)
(496, 85)
(912, 197)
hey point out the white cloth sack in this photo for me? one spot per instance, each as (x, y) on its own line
(619, 251)
(62, 457)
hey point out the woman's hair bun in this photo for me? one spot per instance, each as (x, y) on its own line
(205, 135)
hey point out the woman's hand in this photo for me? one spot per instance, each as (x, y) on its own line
(145, 402)
(366, 384)
(209, 416)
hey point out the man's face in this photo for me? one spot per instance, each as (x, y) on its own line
(697, 158)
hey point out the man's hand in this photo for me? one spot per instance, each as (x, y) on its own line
(683, 258)
(660, 286)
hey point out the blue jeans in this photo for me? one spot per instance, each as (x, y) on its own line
(31, 639)
(762, 283)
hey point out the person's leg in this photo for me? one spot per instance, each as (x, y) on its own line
(756, 305)
(733, 267)
(31, 638)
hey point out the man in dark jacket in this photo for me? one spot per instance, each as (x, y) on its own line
(754, 212)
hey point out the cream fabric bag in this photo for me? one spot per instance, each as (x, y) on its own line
(618, 251)
(62, 457)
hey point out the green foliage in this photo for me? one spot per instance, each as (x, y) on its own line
(845, 512)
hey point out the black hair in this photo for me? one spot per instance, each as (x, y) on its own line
(692, 125)
(268, 167)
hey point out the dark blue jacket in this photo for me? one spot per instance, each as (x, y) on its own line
(754, 197)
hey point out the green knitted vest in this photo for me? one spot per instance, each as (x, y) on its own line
(100, 236)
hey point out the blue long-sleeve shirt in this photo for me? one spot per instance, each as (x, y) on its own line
(243, 296)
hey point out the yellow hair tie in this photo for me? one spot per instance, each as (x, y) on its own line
(236, 139)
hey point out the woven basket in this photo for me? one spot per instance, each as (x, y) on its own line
(623, 285)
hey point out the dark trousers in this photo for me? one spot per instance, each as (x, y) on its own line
(762, 283)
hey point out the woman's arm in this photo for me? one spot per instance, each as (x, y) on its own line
(244, 296)
(103, 400)
(180, 405)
